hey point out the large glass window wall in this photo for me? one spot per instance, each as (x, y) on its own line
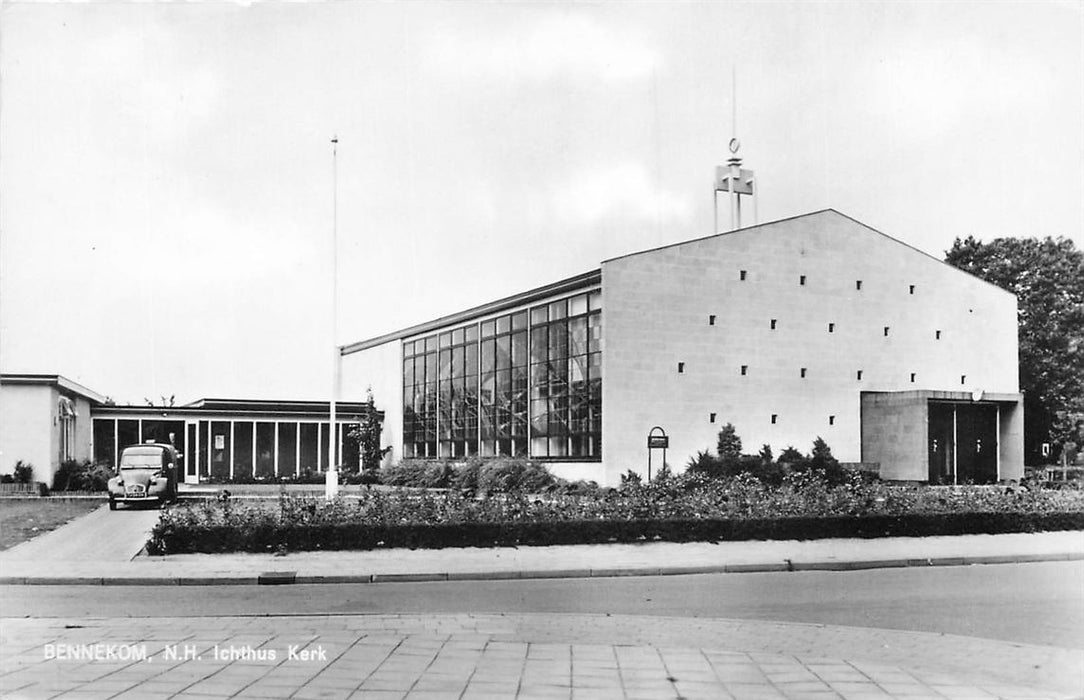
(527, 383)
(240, 450)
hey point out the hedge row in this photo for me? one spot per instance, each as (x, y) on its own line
(171, 539)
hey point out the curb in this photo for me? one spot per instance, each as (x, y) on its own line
(294, 578)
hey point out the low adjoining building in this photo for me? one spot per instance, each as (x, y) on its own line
(46, 420)
(812, 326)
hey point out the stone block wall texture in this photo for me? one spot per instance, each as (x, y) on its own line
(895, 435)
(656, 309)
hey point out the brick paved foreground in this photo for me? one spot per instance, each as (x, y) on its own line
(521, 656)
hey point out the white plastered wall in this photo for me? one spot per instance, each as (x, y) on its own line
(656, 308)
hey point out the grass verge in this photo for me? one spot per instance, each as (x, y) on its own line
(25, 519)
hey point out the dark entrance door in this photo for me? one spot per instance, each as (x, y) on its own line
(976, 450)
(942, 444)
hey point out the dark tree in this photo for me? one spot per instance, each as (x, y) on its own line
(1047, 277)
(367, 435)
(728, 446)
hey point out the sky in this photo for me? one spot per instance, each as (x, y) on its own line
(167, 185)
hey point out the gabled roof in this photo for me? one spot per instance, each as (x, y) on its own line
(595, 277)
(820, 212)
(56, 380)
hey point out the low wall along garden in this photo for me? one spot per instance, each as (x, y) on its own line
(690, 507)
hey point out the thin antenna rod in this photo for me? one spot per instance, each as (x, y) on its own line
(734, 101)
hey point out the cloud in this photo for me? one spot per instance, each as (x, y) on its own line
(558, 46)
(620, 192)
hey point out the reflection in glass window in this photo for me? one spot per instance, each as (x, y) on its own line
(104, 444)
(309, 451)
(287, 459)
(526, 383)
(265, 450)
(220, 450)
(242, 450)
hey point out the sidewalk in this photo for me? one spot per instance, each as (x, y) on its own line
(523, 656)
(565, 561)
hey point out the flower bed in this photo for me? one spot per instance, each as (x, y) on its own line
(686, 508)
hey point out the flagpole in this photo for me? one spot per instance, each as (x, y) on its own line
(331, 481)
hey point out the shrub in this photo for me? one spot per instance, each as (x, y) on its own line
(23, 473)
(466, 477)
(792, 458)
(822, 461)
(682, 508)
(367, 436)
(704, 462)
(437, 475)
(73, 475)
(767, 472)
(408, 472)
(580, 487)
(663, 475)
(728, 444)
(514, 475)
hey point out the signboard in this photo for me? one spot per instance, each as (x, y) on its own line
(658, 441)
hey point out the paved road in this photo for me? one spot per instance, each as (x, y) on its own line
(1041, 603)
(635, 637)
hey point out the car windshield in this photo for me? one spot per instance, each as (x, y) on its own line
(141, 458)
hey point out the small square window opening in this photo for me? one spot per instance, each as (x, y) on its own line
(858, 285)
(711, 417)
(911, 289)
(963, 379)
(681, 368)
(744, 370)
(937, 335)
(859, 375)
(775, 418)
(741, 275)
(886, 331)
(801, 280)
(711, 320)
(831, 420)
(773, 324)
(802, 372)
(831, 328)
(912, 377)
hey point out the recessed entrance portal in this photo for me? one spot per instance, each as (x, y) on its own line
(963, 446)
(942, 440)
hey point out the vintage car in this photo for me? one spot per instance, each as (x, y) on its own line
(147, 473)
